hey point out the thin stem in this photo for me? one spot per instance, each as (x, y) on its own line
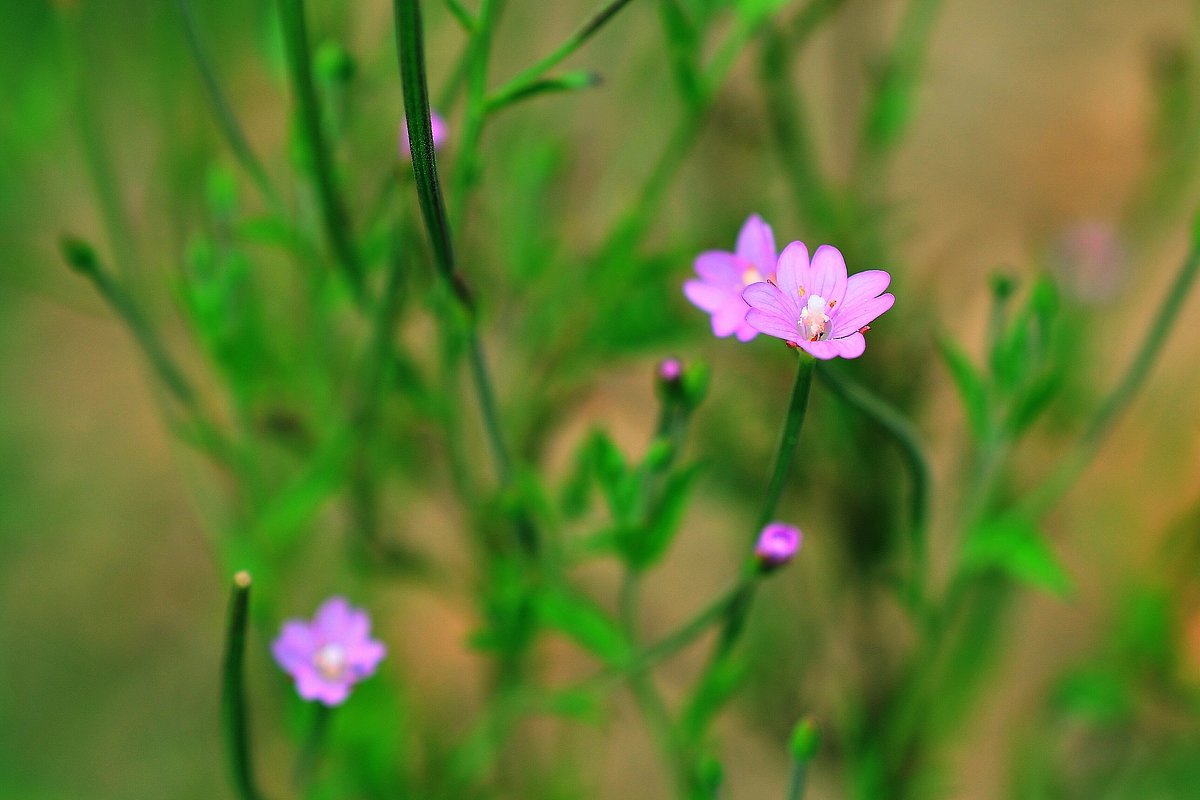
(799, 778)
(475, 114)
(233, 691)
(310, 756)
(226, 120)
(410, 46)
(461, 15)
(901, 430)
(649, 700)
(530, 76)
(1127, 388)
(797, 406)
(81, 258)
(333, 212)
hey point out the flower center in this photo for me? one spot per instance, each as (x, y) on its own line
(330, 661)
(752, 275)
(814, 322)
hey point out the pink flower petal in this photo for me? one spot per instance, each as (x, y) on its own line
(770, 298)
(745, 332)
(793, 271)
(851, 346)
(828, 274)
(852, 317)
(721, 269)
(332, 618)
(705, 296)
(728, 318)
(865, 286)
(756, 244)
(772, 325)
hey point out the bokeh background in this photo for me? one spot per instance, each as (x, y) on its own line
(1033, 118)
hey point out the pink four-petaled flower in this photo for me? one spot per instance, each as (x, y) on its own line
(724, 275)
(330, 654)
(815, 306)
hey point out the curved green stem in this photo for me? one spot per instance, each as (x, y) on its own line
(901, 430)
(333, 212)
(526, 79)
(1069, 469)
(233, 691)
(226, 120)
(410, 45)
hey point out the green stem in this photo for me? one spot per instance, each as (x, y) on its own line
(333, 212)
(799, 778)
(901, 430)
(82, 258)
(310, 755)
(233, 691)
(475, 114)
(797, 406)
(410, 46)
(226, 120)
(649, 700)
(1127, 388)
(527, 78)
(461, 15)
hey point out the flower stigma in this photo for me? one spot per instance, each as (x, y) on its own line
(330, 661)
(814, 322)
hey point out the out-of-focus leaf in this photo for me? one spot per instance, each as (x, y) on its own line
(578, 704)
(1145, 631)
(971, 388)
(653, 539)
(1034, 400)
(599, 460)
(695, 384)
(585, 624)
(1015, 547)
(1096, 694)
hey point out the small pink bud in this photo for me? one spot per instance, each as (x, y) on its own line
(776, 545)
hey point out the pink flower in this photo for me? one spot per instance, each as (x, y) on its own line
(776, 545)
(724, 275)
(439, 130)
(329, 655)
(814, 306)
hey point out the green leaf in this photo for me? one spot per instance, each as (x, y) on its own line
(970, 384)
(585, 624)
(653, 540)
(1014, 546)
(1095, 693)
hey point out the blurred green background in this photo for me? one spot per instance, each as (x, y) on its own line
(1033, 118)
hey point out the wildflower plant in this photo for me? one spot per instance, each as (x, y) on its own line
(390, 393)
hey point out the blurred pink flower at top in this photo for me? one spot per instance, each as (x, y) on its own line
(439, 130)
(330, 654)
(814, 306)
(1090, 261)
(723, 276)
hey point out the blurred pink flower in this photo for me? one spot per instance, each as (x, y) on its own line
(724, 275)
(1090, 261)
(815, 306)
(776, 545)
(330, 654)
(440, 132)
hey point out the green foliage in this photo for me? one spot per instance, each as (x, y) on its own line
(588, 626)
(1017, 548)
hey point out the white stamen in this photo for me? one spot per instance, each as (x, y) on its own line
(814, 322)
(330, 661)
